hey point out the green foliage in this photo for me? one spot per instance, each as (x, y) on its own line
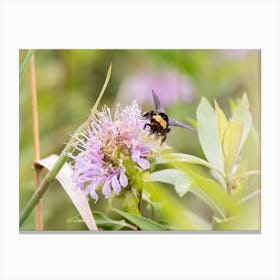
(61, 160)
(184, 180)
(208, 134)
(174, 177)
(179, 157)
(222, 139)
(210, 182)
(243, 115)
(169, 210)
(246, 218)
(24, 65)
(131, 202)
(103, 222)
(231, 143)
(224, 187)
(141, 222)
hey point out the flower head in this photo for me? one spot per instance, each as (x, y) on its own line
(103, 150)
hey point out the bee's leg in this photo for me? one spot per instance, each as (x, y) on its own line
(163, 139)
(167, 130)
(147, 124)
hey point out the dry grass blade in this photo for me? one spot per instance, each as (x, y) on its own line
(78, 197)
(36, 141)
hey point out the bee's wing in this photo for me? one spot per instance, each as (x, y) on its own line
(173, 122)
(159, 108)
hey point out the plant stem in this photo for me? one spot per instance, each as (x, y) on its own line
(48, 179)
(25, 63)
(44, 185)
(36, 142)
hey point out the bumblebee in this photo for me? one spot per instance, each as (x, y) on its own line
(159, 122)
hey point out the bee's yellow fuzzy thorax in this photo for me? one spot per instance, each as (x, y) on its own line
(160, 120)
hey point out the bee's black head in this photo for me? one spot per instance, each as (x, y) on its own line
(164, 116)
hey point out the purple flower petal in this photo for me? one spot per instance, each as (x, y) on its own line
(106, 189)
(87, 190)
(135, 155)
(115, 184)
(143, 163)
(93, 194)
(123, 178)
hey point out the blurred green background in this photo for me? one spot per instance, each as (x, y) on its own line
(68, 82)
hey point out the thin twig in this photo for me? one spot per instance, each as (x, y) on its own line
(36, 142)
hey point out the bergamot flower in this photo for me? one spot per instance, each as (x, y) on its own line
(108, 146)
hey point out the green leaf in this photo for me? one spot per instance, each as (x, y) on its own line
(232, 104)
(247, 217)
(131, 202)
(103, 222)
(25, 63)
(170, 209)
(179, 157)
(231, 144)
(208, 190)
(250, 196)
(184, 180)
(174, 177)
(242, 114)
(211, 193)
(222, 121)
(182, 185)
(208, 134)
(141, 222)
(247, 174)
